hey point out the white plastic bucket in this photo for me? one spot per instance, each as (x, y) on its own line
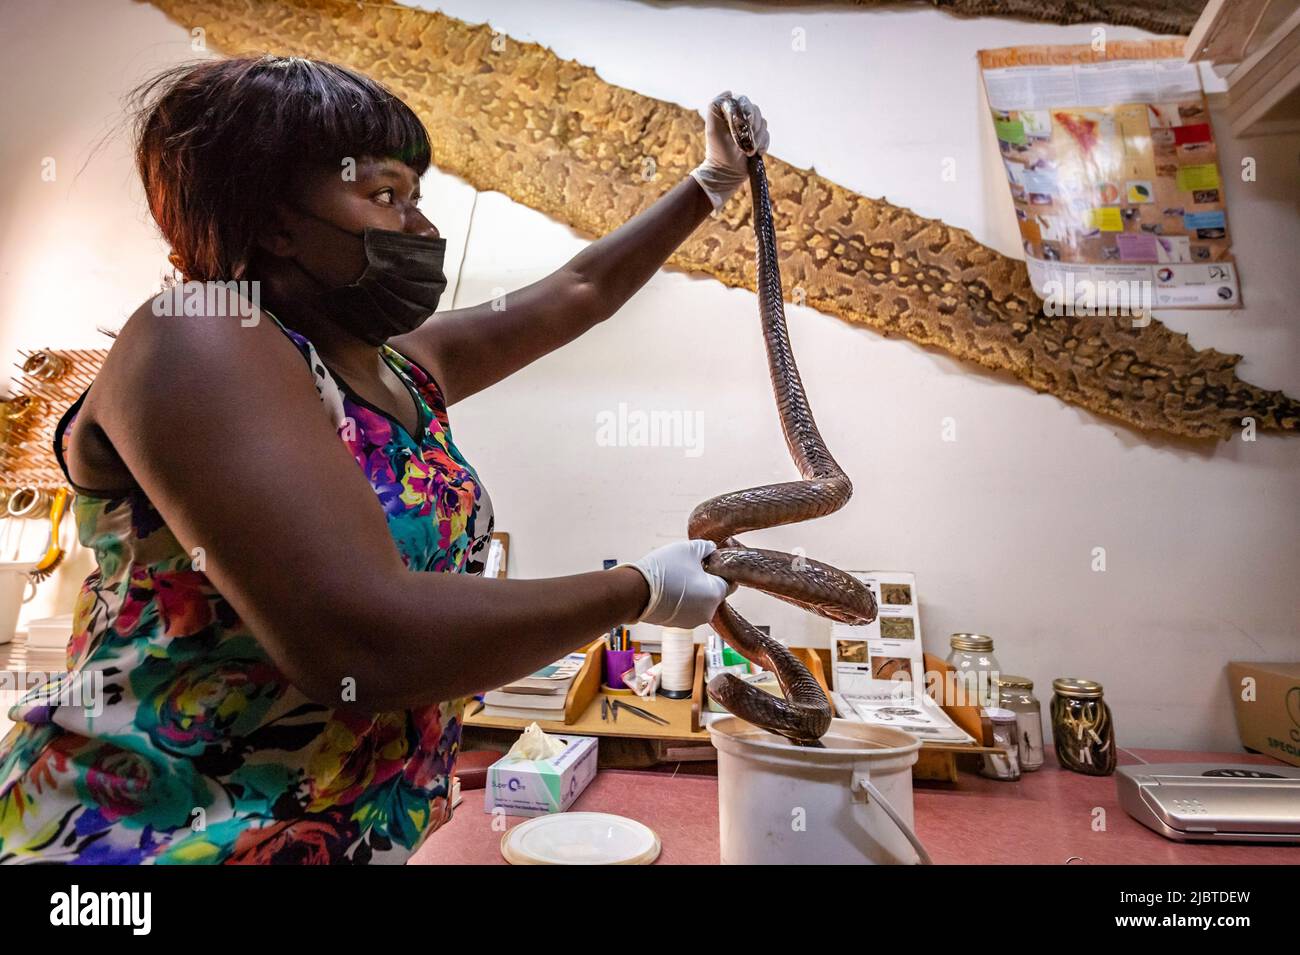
(849, 803)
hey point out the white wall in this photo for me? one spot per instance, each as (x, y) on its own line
(999, 526)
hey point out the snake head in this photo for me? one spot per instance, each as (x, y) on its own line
(739, 124)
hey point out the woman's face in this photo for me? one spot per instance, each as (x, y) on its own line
(382, 193)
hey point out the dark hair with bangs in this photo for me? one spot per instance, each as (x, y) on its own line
(219, 141)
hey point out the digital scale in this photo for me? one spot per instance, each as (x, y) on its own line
(1191, 802)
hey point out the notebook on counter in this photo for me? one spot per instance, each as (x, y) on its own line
(538, 696)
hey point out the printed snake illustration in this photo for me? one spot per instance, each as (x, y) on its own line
(804, 715)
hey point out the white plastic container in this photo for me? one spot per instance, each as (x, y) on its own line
(50, 633)
(17, 587)
(677, 654)
(849, 803)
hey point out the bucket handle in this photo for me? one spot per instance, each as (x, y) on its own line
(863, 785)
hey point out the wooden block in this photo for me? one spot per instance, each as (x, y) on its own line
(939, 765)
(1264, 91)
(586, 684)
(697, 690)
(1224, 30)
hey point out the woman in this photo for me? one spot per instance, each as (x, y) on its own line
(285, 664)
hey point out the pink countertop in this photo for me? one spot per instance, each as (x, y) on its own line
(1045, 818)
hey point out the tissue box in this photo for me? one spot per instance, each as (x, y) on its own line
(1268, 720)
(535, 787)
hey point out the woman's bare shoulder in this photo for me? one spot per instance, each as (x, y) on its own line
(159, 349)
(219, 422)
(169, 340)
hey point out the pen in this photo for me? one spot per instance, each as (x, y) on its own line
(613, 638)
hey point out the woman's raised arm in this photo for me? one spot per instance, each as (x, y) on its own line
(468, 349)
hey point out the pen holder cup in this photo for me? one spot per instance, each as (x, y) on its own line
(618, 662)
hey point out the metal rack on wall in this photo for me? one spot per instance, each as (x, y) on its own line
(51, 380)
(32, 486)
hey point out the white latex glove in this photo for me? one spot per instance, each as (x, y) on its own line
(682, 593)
(725, 167)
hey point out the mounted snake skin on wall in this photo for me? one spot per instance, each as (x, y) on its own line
(1158, 16)
(552, 135)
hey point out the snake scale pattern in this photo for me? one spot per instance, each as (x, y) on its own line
(551, 134)
(804, 715)
(1158, 16)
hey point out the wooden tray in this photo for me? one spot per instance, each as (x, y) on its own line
(699, 694)
(587, 683)
(582, 710)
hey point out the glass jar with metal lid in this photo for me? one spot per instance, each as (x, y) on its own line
(977, 669)
(1017, 694)
(1005, 764)
(1082, 727)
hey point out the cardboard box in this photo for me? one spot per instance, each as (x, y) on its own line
(535, 787)
(1267, 699)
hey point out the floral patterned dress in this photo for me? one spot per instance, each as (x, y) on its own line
(195, 748)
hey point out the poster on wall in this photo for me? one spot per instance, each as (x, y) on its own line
(1114, 173)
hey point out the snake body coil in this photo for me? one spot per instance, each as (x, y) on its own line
(805, 714)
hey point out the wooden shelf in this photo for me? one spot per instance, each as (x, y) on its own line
(582, 710)
(589, 723)
(1256, 45)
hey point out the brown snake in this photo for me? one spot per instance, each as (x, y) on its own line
(804, 715)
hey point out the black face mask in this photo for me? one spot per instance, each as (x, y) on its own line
(398, 290)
